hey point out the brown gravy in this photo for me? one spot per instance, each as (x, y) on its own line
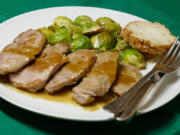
(64, 95)
(43, 63)
(106, 68)
(126, 79)
(24, 50)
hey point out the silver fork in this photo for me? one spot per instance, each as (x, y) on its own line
(125, 106)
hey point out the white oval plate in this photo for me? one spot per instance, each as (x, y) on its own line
(9, 29)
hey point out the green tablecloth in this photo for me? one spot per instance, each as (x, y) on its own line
(164, 121)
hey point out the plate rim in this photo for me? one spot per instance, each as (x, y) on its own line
(59, 117)
(39, 112)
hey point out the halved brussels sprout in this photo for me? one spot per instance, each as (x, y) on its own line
(54, 27)
(62, 35)
(91, 28)
(75, 35)
(134, 57)
(80, 42)
(103, 41)
(75, 28)
(109, 25)
(47, 32)
(62, 21)
(82, 20)
(121, 45)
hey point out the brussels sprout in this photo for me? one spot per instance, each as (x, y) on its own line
(75, 28)
(91, 28)
(54, 27)
(75, 35)
(62, 35)
(109, 25)
(134, 57)
(82, 20)
(47, 32)
(121, 45)
(62, 21)
(80, 42)
(103, 41)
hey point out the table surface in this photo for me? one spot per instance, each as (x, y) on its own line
(163, 121)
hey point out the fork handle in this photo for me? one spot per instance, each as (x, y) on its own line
(119, 105)
(132, 107)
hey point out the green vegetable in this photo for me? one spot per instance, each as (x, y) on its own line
(53, 27)
(91, 28)
(62, 35)
(82, 20)
(80, 42)
(121, 45)
(75, 28)
(109, 25)
(47, 32)
(134, 57)
(62, 21)
(103, 41)
(75, 35)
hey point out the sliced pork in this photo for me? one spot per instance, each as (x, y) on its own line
(99, 80)
(80, 63)
(35, 76)
(126, 77)
(21, 51)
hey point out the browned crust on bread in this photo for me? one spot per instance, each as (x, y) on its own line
(144, 45)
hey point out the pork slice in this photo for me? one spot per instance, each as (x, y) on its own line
(126, 77)
(80, 63)
(21, 51)
(35, 76)
(99, 80)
